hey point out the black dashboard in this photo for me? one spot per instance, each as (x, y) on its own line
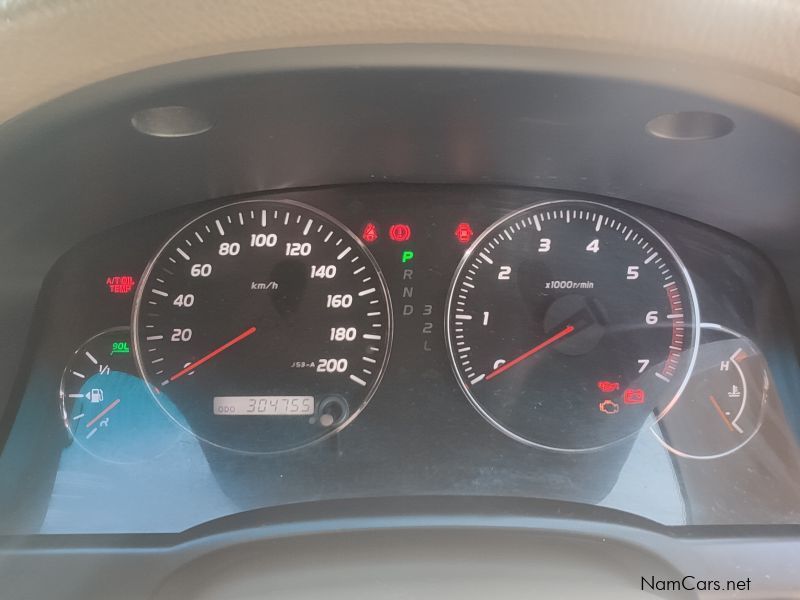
(295, 300)
(339, 342)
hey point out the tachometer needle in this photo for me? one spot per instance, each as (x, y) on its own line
(505, 367)
(212, 354)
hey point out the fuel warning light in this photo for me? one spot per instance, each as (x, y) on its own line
(399, 232)
(464, 233)
(120, 284)
(370, 233)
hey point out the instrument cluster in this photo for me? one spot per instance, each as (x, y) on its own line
(400, 340)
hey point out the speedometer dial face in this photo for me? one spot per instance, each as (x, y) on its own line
(265, 325)
(570, 324)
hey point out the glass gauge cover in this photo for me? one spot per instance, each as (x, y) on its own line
(106, 406)
(569, 322)
(722, 407)
(265, 325)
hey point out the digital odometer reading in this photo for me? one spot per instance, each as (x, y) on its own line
(570, 324)
(262, 299)
(264, 405)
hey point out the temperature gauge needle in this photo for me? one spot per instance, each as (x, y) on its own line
(505, 367)
(721, 413)
(212, 354)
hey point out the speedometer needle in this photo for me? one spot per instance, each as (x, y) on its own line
(212, 354)
(505, 367)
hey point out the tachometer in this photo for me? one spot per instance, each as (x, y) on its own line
(266, 324)
(569, 322)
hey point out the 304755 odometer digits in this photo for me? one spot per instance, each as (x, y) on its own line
(570, 324)
(266, 323)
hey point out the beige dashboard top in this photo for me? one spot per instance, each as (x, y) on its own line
(50, 47)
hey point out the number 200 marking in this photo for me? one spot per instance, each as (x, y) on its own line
(332, 365)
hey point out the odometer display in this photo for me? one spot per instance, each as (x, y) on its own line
(570, 324)
(259, 301)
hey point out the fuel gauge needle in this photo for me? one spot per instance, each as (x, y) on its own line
(103, 413)
(212, 354)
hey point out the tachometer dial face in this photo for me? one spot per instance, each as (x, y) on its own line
(266, 324)
(569, 322)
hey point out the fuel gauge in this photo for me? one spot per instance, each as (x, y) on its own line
(106, 406)
(722, 406)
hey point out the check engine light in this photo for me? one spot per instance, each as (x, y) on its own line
(370, 233)
(400, 233)
(464, 233)
(608, 407)
(120, 284)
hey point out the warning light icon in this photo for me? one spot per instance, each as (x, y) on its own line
(120, 284)
(608, 407)
(633, 396)
(400, 233)
(608, 386)
(370, 233)
(464, 233)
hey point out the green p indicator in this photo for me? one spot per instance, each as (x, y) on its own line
(407, 255)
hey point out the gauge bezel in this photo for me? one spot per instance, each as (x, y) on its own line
(141, 286)
(62, 398)
(599, 206)
(762, 403)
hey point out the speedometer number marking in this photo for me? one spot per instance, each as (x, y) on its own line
(244, 295)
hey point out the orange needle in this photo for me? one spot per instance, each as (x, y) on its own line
(102, 413)
(212, 354)
(564, 332)
(722, 415)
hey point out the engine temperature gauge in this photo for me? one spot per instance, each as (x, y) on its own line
(722, 407)
(107, 407)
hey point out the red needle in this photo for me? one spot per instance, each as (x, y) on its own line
(721, 413)
(102, 413)
(212, 354)
(505, 367)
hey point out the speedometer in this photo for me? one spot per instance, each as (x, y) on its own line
(570, 324)
(263, 325)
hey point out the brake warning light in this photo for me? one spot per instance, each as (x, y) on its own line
(400, 233)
